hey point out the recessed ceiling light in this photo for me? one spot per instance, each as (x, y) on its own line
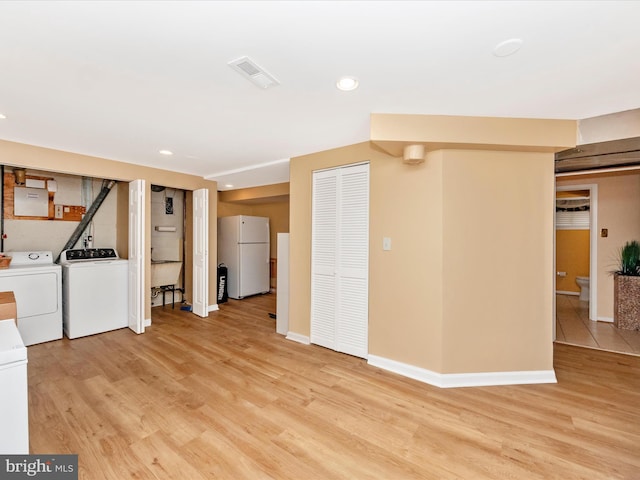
(508, 47)
(165, 152)
(347, 84)
(228, 185)
(2, 116)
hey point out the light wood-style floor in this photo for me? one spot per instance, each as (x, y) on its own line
(574, 328)
(225, 397)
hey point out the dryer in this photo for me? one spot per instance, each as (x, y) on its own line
(36, 283)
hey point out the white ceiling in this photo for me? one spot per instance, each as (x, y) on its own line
(122, 80)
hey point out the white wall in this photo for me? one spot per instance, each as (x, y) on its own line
(614, 126)
(167, 245)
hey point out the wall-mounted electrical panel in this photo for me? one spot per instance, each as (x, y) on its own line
(30, 202)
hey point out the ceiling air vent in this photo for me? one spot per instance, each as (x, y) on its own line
(253, 72)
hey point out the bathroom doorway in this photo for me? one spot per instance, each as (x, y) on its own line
(575, 254)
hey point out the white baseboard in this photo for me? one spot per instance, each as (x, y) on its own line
(213, 308)
(406, 370)
(147, 322)
(296, 337)
(450, 380)
(605, 319)
(567, 292)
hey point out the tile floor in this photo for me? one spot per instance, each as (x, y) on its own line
(574, 327)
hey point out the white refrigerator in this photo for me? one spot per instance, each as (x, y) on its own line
(243, 246)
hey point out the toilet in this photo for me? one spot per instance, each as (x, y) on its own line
(583, 283)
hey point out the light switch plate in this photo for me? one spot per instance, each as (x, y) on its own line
(386, 243)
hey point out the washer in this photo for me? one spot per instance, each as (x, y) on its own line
(94, 291)
(36, 283)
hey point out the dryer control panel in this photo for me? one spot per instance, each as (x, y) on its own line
(88, 254)
(26, 259)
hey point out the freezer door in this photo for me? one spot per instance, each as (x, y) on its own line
(253, 229)
(12, 347)
(254, 269)
(14, 397)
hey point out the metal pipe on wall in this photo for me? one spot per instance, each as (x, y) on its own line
(107, 185)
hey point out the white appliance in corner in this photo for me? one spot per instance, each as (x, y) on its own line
(282, 287)
(243, 246)
(14, 398)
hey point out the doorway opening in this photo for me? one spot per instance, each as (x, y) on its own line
(575, 254)
(168, 245)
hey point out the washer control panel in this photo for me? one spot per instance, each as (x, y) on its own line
(88, 254)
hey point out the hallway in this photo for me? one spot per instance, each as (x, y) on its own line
(573, 327)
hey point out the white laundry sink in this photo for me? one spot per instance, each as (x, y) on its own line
(165, 272)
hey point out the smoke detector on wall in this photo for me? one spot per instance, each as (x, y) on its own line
(413, 154)
(253, 72)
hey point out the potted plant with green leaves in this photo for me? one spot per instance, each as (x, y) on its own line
(626, 288)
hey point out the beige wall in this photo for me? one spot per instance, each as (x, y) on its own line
(618, 211)
(462, 290)
(122, 233)
(392, 132)
(498, 263)
(264, 194)
(278, 214)
(406, 289)
(226, 209)
(21, 155)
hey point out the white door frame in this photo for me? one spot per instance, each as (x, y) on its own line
(593, 247)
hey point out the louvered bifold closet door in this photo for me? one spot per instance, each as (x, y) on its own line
(352, 312)
(323, 258)
(340, 257)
